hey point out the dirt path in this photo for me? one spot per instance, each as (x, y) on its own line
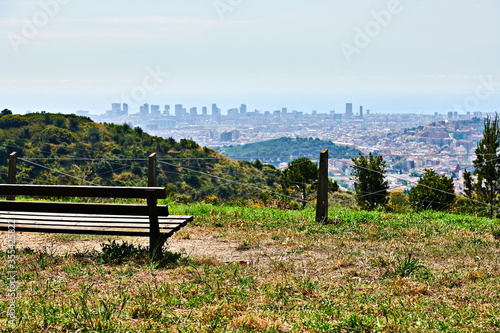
(200, 244)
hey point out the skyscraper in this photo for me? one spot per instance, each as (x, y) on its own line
(125, 109)
(361, 112)
(348, 110)
(116, 109)
(215, 110)
(144, 110)
(178, 110)
(243, 110)
(155, 110)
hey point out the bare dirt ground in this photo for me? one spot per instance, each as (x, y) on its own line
(193, 242)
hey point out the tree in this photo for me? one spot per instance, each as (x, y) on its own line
(6, 112)
(333, 186)
(433, 191)
(371, 186)
(468, 184)
(299, 176)
(487, 164)
(103, 168)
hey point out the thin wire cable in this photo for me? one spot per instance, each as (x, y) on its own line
(43, 166)
(429, 187)
(234, 182)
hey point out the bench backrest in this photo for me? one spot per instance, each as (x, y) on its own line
(84, 191)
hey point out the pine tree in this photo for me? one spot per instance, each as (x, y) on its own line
(433, 191)
(487, 164)
(299, 175)
(468, 184)
(371, 188)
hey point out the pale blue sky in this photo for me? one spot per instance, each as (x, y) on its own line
(266, 53)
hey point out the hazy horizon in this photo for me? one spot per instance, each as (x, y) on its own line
(389, 56)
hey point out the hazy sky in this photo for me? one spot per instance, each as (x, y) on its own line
(65, 55)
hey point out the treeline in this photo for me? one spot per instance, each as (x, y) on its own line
(279, 150)
(68, 149)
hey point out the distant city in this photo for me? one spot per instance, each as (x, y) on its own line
(408, 142)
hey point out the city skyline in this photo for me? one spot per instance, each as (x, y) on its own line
(64, 55)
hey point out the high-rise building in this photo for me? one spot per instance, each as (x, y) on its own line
(361, 112)
(125, 109)
(243, 110)
(116, 109)
(178, 110)
(226, 137)
(284, 112)
(215, 110)
(144, 110)
(348, 110)
(155, 110)
(166, 110)
(232, 112)
(193, 112)
(204, 111)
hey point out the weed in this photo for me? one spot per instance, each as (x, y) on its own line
(243, 246)
(408, 267)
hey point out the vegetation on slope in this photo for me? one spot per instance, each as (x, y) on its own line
(279, 150)
(68, 149)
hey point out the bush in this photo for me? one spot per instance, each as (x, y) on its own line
(12, 121)
(93, 135)
(433, 191)
(56, 135)
(103, 169)
(63, 150)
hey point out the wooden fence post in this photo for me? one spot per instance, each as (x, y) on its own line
(155, 237)
(11, 178)
(152, 170)
(322, 200)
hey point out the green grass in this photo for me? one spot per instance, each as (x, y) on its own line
(362, 272)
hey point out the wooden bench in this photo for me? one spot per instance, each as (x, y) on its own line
(91, 218)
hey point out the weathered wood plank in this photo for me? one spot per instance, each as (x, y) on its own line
(65, 224)
(17, 218)
(79, 208)
(87, 231)
(83, 191)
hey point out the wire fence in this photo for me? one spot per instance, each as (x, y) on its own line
(199, 170)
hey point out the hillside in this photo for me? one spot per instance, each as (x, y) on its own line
(280, 150)
(67, 149)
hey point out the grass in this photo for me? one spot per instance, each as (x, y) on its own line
(363, 272)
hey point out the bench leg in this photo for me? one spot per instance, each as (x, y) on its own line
(156, 246)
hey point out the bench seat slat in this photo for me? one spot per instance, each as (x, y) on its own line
(16, 217)
(79, 208)
(83, 191)
(89, 231)
(24, 223)
(88, 218)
